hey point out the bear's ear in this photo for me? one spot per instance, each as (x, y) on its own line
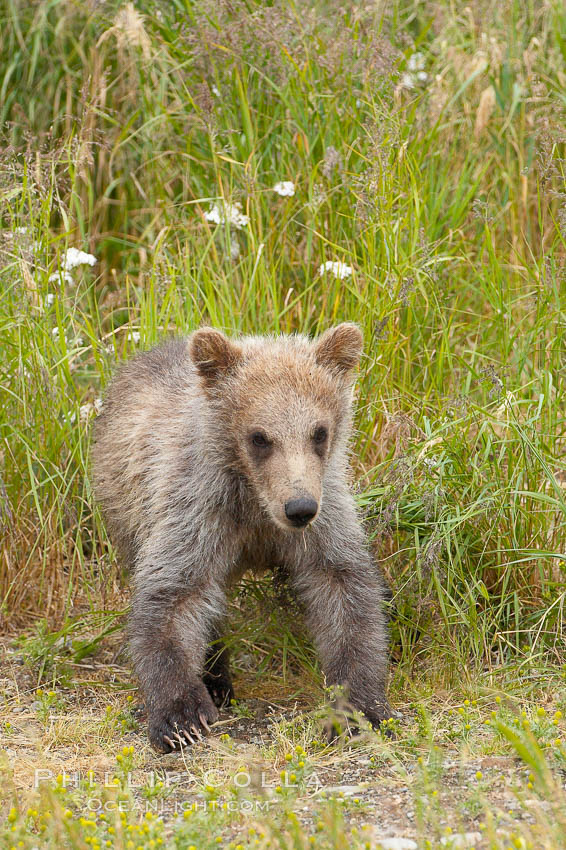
(340, 348)
(213, 354)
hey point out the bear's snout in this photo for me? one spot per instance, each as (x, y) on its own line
(301, 511)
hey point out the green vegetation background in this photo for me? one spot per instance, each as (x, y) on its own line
(425, 142)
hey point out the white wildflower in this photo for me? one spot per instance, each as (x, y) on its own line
(61, 276)
(222, 212)
(50, 299)
(86, 411)
(416, 62)
(415, 73)
(134, 336)
(21, 230)
(215, 91)
(338, 269)
(286, 188)
(55, 333)
(73, 257)
(79, 342)
(215, 215)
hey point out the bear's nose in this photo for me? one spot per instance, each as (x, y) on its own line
(301, 511)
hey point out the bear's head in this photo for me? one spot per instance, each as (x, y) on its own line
(280, 412)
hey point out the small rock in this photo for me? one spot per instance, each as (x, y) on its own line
(461, 840)
(396, 843)
(538, 804)
(346, 790)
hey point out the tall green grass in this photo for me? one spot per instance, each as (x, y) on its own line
(123, 126)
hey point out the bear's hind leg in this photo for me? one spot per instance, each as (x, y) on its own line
(216, 675)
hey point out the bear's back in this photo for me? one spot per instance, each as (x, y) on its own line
(150, 402)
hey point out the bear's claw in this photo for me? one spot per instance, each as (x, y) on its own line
(342, 719)
(183, 721)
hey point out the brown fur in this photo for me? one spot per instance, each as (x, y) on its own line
(207, 453)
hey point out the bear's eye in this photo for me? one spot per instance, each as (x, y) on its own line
(260, 440)
(320, 435)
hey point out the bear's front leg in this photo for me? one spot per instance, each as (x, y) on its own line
(169, 626)
(344, 613)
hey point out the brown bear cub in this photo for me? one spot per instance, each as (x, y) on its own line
(214, 456)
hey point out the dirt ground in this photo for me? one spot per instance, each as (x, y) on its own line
(382, 785)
